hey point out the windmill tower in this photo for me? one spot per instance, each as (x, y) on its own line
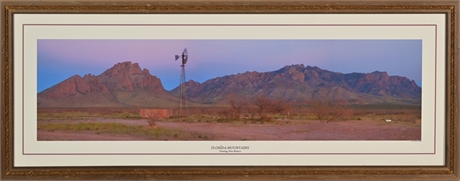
(182, 86)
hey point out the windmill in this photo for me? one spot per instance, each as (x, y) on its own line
(182, 86)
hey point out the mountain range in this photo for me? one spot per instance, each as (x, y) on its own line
(127, 85)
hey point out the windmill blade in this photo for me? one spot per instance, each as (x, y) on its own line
(177, 57)
(185, 58)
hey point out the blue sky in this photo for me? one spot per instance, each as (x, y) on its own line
(61, 59)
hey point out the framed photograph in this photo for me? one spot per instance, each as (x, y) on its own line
(230, 90)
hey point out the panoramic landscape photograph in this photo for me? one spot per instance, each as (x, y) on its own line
(229, 90)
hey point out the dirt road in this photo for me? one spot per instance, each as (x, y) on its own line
(275, 130)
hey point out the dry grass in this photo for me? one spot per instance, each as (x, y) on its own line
(409, 114)
(87, 113)
(122, 129)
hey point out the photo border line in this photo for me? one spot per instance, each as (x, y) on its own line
(221, 154)
(229, 24)
(435, 80)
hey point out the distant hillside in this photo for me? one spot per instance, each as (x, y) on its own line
(127, 85)
(298, 84)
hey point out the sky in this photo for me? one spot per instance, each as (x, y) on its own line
(61, 59)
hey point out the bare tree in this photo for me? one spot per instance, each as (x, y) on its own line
(252, 111)
(152, 121)
(326, 111)
(278, 106)
(237, 104)
(262, 104)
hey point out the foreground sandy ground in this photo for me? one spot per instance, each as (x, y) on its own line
(274, 130)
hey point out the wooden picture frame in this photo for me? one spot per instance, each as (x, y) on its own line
(449, 171)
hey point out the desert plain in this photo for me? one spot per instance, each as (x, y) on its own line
(102, 124)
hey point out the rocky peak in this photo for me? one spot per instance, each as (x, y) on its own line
(145, 71)
(126, 68)
(291, 68)
(377, 77)
(88, 77)
(413, 83)
(192, 82)
(124, 81)
(312, 68)
(76, 76)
